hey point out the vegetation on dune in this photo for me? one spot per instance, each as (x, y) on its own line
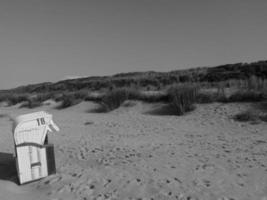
(239, 82)
(246, 96)
(69, 99)
(250, 116)
(155, 80)
(182, 98)
(113, 99)
(246, 116)
(206, 97)
(31, 103)
(236, 96)
(12, 98)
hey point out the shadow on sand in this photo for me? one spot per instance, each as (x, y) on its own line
(162, 109)
(97, 109)
(262, 106)
(8, 170)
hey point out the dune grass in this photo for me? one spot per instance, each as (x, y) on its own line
(31, 103)
(182, 98)
(13, 99)
(245, 92)
(68, 100)
(183, 93)
(249, 116)
(114, 98)
(246, 116)
(246, 96)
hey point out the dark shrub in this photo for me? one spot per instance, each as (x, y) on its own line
(14, 99)
(113, 99)
(246, 116)
(41, 97)
(82, 94)
(34, 104)
(182, 97)
(246, 96)
(31, 103)
(68, 100)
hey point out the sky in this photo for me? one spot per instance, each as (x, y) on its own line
(51, 40)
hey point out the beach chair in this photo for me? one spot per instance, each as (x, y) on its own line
(34, 155)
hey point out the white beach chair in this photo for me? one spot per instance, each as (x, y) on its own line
(34, 156)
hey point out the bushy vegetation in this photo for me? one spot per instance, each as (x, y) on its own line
(114, 98)
(156, 80)
(31, 103)
(68, 100)
(246, 96)
(206, 97)
(12, 98)
(248, 81)
(253, 89)
(246, 116)
(41, 97)
(236, 96)
(182, 97)
(250, 116)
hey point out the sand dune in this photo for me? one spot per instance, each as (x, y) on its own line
(143, 151)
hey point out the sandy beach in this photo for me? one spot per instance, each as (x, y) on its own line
(142, 151)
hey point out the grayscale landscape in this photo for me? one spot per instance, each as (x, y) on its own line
(155, 100)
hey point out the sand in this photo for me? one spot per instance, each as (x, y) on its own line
(143, 151)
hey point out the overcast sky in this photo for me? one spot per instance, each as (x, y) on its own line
(49, 40)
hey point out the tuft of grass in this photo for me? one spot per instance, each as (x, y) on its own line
(114, 98)
(13, 99)
(182, 98)
(41, 97)
(237, 96)
(67, 101)
(81, 94)
(31, 103)
(36, 100)
(246, 116)
(71, 98)
(249, 116)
